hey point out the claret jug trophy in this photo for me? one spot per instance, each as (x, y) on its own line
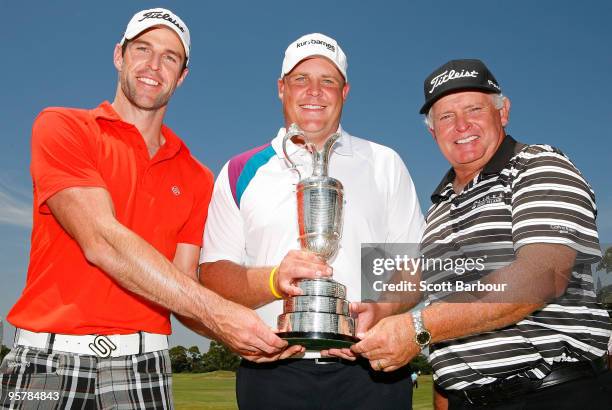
(320, 318)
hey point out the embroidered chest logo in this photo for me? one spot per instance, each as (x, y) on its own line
(175, 190)
(489, 199)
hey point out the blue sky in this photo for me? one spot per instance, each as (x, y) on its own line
(552, 59)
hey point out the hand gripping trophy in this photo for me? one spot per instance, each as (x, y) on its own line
(320, 318)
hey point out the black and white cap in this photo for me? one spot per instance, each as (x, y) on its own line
(458, 75)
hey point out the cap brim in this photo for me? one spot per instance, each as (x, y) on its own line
(287, 71)
(136, 32)
(431, 102)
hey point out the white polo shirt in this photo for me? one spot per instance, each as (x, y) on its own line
(252, 217)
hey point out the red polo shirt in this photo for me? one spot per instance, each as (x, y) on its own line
(163, 199)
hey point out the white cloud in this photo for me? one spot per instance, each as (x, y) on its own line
(15, 205)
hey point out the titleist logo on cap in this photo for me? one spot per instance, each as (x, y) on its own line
(315, 42)
(161, 15)
(457, 75)
(447, 76)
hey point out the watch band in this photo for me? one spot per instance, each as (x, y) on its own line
(422, 336)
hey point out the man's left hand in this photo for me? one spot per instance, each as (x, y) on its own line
(390, 344)
(366, 315)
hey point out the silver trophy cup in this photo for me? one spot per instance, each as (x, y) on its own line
(320, 318)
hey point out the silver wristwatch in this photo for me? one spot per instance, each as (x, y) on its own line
(422, 336)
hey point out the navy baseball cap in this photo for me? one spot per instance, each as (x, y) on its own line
(457, 75)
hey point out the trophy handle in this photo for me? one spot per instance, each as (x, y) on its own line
(320, 159)
(293, 131)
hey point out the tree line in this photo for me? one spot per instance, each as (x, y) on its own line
(219, 357)
(191, 360)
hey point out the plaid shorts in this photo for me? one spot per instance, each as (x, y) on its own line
(38, 379)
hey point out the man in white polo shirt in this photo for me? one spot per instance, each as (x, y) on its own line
(252, 229)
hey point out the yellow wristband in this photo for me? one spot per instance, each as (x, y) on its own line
(271, 283)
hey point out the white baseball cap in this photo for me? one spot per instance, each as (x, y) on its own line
(315, 44)
(158, 17)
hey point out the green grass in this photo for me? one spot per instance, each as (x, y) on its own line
(215, 390)
(422, 398)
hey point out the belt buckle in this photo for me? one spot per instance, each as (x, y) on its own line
(326, 360)
(102, 346)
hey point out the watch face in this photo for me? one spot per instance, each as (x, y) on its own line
(423, 338)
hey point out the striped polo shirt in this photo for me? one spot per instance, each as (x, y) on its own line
(526, 194)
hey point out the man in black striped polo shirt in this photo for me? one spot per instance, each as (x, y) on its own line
(519, 327)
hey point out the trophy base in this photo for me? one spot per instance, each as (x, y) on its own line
(318, 340)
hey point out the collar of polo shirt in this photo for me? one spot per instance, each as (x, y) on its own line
(507, 149)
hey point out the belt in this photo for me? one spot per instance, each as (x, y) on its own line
(507, 389)
(98, 345)
(327, 360)
(318, 360)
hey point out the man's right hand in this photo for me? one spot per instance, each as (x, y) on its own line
(247, 335)
(283, 354)
(298, 265)
(243, 331)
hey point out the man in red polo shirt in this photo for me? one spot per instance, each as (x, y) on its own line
(119, 210)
